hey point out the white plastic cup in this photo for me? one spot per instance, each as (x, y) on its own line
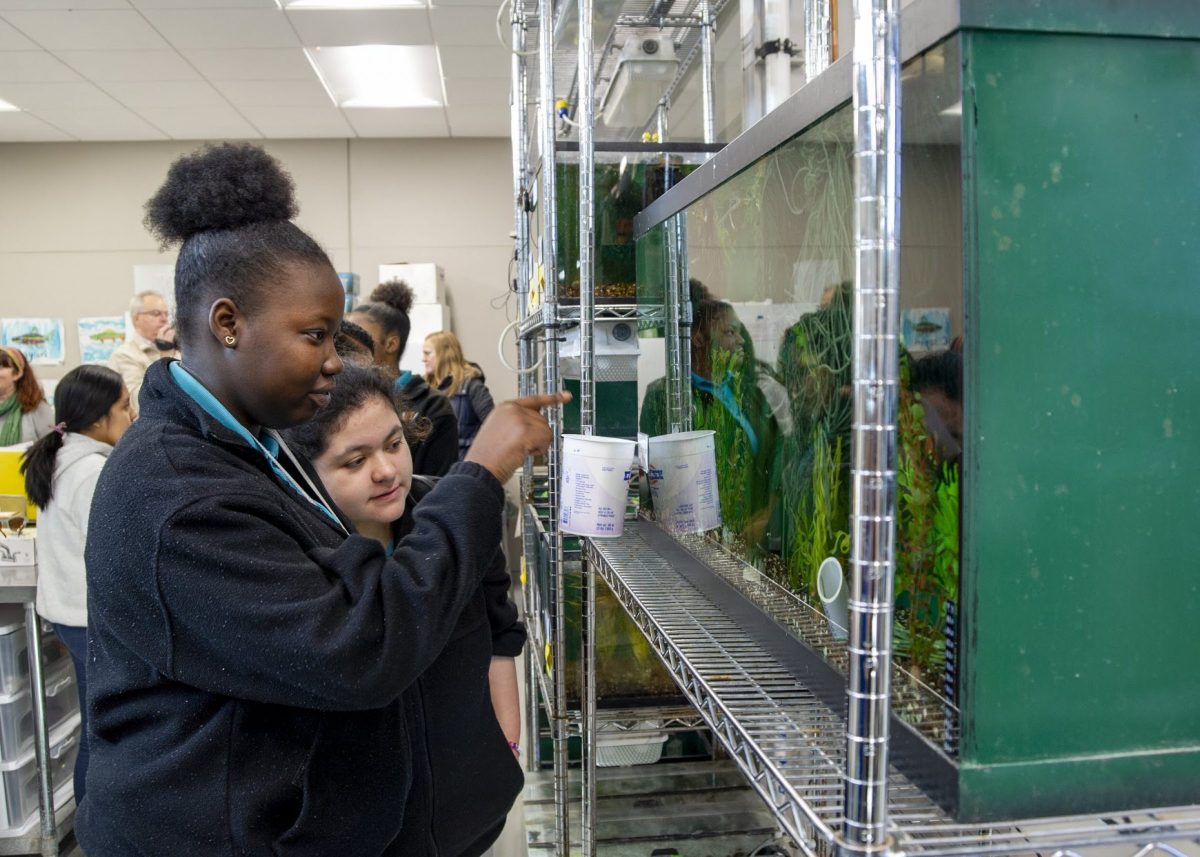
(595, 484)
(683, 481)
(835, 598)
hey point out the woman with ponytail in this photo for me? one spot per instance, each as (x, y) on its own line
(25, 415)
(385, 317)
(61, 470)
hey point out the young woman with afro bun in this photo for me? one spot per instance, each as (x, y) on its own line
(385, 317)
(254, 661)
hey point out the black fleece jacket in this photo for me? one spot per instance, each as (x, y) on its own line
(252, 671)
(434, 455)
(474, 777)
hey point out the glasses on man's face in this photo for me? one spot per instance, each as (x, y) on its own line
(157, 313)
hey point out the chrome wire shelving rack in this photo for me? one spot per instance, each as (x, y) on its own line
(543, 70)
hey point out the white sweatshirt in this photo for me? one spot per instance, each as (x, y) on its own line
(62, 531)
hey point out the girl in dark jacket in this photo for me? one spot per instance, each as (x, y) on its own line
(253, 664)
(461, 382)
(359, 447)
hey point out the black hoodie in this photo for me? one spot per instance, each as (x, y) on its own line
(433, 455)
(252, 671)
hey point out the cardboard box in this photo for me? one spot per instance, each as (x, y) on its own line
(426, 279)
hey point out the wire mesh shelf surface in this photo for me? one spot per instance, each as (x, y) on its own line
(791, 745)
(646, 315)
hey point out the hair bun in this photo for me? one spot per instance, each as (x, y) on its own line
(221, 186)
(395, 293)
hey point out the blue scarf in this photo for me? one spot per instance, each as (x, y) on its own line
(723, 393)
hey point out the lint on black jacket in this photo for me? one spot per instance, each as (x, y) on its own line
(252, 674)
(474, 776)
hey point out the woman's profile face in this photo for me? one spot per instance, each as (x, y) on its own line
(285, 361)
(429, 357)
(367, 465)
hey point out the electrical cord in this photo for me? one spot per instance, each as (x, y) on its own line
(500, 33)
(504, 360)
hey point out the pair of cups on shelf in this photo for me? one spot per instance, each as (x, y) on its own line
(682, 471)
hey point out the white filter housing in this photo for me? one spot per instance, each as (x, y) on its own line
(616, 356)
(645, 69)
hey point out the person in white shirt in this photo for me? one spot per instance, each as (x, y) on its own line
(151, 325)
(91, 405)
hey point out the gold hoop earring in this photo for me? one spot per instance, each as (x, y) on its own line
(231, 341)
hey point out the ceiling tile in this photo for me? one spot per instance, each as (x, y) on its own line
(486, 90)
(200, 123)
(479, 121)
(385, 27)
(197, 29)
(204, 4)
(115, 123)
(275, 93)
(12, 40)
(284, 123)
(165, 93)
(36, 97)
(252, 64)
(81, 31)
(404, 122)
(108, 66)
(87, 5)
(23, 128)
(33, 67)
(478, 61)
(466, 25)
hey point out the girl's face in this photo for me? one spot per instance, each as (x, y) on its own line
(366, 465)
(429, 358)
(113, 424)
(284, 360)
(9, 375)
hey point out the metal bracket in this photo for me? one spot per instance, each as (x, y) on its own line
(775, 46)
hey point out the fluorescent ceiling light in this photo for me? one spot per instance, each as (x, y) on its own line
(380, 75)
(954, 109)
(350, 4)
(6, 107)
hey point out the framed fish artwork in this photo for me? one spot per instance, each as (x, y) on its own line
(40, 339)
(99, 337)
(926, 329)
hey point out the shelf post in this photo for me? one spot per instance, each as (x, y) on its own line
(708, 97)
(876, 105)
(585, 115)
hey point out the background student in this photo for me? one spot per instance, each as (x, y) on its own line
(25, 415)
(461, 382)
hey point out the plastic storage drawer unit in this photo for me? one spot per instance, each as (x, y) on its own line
(16, 711)
(19, 779)
(14, 643)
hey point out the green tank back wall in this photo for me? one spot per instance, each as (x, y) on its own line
(1081, 530)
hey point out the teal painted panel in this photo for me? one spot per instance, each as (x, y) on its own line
(1082, 548)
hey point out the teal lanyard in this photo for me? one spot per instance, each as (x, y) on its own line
(268, 447)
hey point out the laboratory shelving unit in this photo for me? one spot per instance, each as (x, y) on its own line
(538, 336)
(807, 719)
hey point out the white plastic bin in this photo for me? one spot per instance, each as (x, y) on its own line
(14, 665)
(19, 779)
(16, 711)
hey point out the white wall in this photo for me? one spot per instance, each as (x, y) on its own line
(71, 231)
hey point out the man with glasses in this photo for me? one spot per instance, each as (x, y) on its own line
(152, 337)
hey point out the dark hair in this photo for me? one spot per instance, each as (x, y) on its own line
(942, 371)
(348, 331)
(354, 387)
(230, 207)
(388, 306)
(83, 396)
(29, 391)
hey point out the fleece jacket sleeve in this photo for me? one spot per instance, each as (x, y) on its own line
(251, 614)
(508, 632)
(434, 455)
(481, 399)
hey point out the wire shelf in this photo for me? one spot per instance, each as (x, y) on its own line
(791, 745)
(645, 315)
